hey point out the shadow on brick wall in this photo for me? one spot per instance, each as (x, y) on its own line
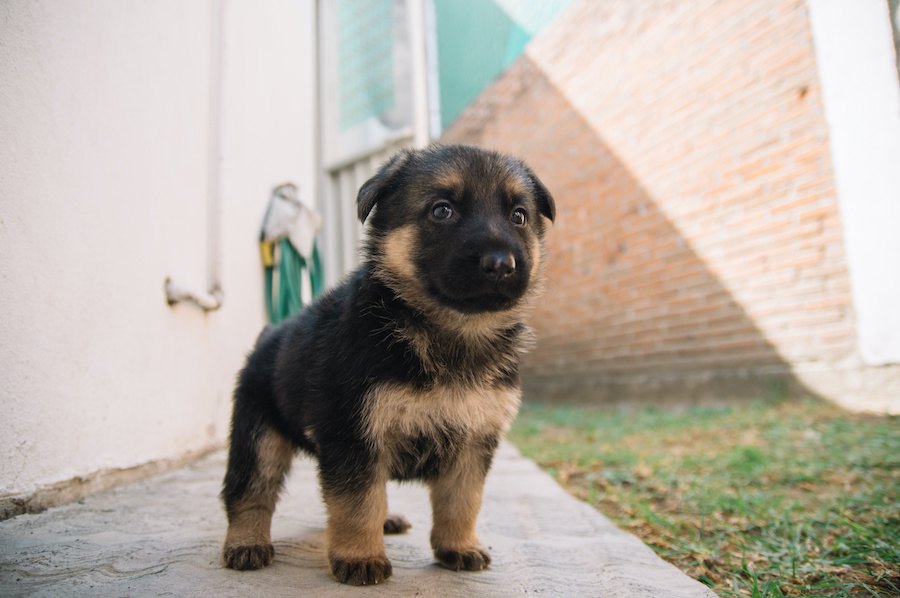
(631, 312)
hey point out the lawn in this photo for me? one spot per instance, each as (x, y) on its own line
(789, 498)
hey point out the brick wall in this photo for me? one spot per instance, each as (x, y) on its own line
(698, 248)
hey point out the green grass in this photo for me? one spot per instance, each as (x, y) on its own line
(793, 498)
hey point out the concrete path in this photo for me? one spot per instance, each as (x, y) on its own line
(162, 537)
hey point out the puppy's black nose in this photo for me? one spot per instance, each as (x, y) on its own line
(498, 265)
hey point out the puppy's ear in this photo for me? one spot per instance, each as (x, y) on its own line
(545, 201)
(382, 185)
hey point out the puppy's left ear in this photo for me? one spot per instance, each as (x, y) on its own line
(545, 202)
(382, 185)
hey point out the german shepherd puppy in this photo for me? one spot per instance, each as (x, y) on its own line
(408, 370)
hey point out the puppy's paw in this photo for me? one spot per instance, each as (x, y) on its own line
(361, 572)
(473, 559)
(396, 524)
(245, 558)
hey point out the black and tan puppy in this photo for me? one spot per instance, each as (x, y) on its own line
(407, 370)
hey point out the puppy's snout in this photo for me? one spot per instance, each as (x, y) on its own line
(498, 265)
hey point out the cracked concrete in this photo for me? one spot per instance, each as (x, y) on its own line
(162, 536)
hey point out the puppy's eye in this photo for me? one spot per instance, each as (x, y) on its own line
(442, 211)
(519, 217)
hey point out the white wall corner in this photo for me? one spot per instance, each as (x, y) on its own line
(112, 145)
(861, 94)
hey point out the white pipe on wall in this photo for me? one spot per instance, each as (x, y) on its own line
(211, 299)
(207, 301)
(418, 45)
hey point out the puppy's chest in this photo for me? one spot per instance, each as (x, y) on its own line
(420, 432)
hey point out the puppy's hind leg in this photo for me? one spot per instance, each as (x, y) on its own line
(396, 524)
(258, 460)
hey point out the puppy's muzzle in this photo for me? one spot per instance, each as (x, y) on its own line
(498, 265)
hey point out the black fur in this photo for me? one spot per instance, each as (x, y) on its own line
(311, 379)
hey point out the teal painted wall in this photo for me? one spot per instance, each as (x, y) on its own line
(479, 39)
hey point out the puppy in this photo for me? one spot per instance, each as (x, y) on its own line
(408, 370)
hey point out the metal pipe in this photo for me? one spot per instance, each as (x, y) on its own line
(212, 298)
(418, 47)
(214, 149)
(207, 301)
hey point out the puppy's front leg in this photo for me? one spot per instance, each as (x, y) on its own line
(357, 508)
(455, 503)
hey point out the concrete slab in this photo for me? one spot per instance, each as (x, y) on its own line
(162, 537)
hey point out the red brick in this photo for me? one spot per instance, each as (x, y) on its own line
(697, 227)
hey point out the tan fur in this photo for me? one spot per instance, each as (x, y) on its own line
(250, 521)
(455, 503)
(275, 453)
(398, 249)
(449, 178)
(250, 525)
(516, 186)
(397, 411)
(534, 247)
(356, 523)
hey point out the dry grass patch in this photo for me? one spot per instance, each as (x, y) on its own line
(788, 498)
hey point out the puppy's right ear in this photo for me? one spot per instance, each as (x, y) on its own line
(385, 182)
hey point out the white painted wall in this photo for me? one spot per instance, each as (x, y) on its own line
(861, 94)
(104, 163)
